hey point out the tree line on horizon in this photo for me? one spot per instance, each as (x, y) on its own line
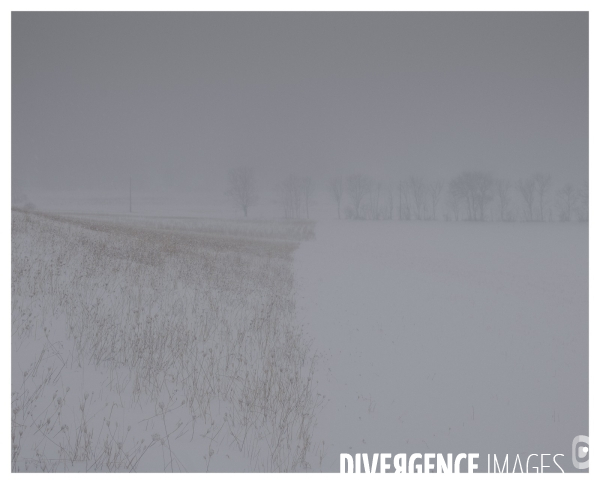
(472, 195)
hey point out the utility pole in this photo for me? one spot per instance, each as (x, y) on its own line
(129, 194)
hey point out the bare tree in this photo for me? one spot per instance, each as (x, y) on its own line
(419, 192)
(291, 196)
(435, 192)
(460, 191)
(242, 189)
(502, 188)
(542, 181)
(566, 200)
(453, 200)
(404, 205)
(336, 190)
(374, 195)
(307, 188)
(527, 190)
(358, 185)
(474, 188)
(400, 194)
(484, 194)
(389, 201)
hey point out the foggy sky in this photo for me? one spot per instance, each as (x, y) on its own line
(176, 99)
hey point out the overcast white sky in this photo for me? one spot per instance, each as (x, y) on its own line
(175, 99)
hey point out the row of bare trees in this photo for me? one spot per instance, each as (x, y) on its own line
(471, 196)
(294, 192)
(411, 199)
(368, 199)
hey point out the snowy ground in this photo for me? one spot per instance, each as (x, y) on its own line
(169, 345)
(446, 337)
(434, 337)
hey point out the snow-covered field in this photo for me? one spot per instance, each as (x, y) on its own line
(156, 343)
(137, 347)
(448, 337)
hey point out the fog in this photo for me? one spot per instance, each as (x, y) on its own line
(272, 241)
(174, 100)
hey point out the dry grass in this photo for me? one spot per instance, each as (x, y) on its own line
(145, 347)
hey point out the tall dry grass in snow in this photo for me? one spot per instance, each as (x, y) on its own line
(156, 346)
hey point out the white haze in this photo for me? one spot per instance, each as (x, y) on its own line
(254, 241)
